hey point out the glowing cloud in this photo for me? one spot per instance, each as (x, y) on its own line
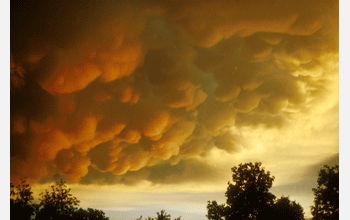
(106, 89)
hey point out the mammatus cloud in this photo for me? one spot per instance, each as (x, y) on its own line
(104, 89)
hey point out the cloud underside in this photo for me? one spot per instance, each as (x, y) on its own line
(103, 91)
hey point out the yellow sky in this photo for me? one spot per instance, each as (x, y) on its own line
(145, 99)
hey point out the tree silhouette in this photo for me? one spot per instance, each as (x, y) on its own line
(20, 198)
(163, 215)
(89, 214)
(148, 218)
(287, 210)
(215, 211)
(57, 204)
(327, 194)
(21, 194)
(247, 197)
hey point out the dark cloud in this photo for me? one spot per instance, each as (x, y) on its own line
(186, 171)
(101, 89)
(254, 119)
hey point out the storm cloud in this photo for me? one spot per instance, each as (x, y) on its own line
(100, 90)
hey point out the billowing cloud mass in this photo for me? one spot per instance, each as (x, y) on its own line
(103, 89)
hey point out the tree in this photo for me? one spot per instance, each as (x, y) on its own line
(247, 197)
(20, 199)
(57, 204)
(163, 215)
(287, 210)
(326, 194)
(21, 194)
(215, 211)
(89, 214)
(148, 218)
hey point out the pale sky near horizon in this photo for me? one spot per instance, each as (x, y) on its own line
(143, 106)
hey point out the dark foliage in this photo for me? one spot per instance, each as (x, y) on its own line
(89, 214)
(20, 198)
(327, 194)
(21, 194)
(57, 204)
(287, 210)
(216, 211)
(148, 218)
(248, 197)
(162, 215)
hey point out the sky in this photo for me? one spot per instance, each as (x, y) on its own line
(146, 105)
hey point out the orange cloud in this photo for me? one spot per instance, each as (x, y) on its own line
(118, 88)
